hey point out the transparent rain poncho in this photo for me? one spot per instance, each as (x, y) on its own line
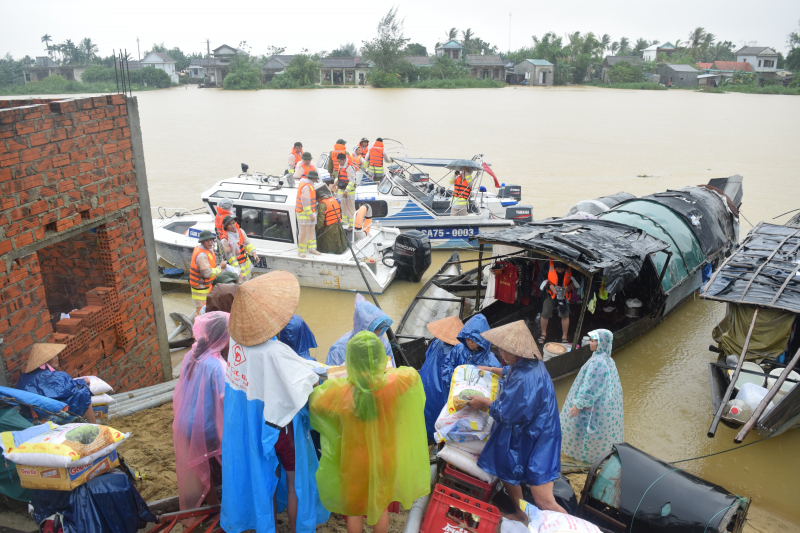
(366, 317)
(198, 406)
(597, 392)
(374, 449)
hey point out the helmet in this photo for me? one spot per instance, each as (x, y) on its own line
(206, 235)
(227, 220)
(341, 141)
(313, 175)
(307, 156)
(364, 140)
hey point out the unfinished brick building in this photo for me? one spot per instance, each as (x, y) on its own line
(76, 234)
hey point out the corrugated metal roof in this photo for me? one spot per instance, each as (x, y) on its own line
(485, 60)
(450, 44)
(681, 68)
(611, 60)
(756, 50)
(539, 62)
(420, 61)
(338, 62)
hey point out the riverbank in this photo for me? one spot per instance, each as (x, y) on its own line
(746, 89)
(59, 85)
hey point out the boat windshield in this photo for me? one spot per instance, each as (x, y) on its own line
(385, 186)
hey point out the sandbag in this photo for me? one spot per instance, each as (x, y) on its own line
(554, 522)
(102, 399)
(70, 445)
(465, 461)
(467, 424)
(97, 385)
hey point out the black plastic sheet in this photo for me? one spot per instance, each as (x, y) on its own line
(106, 504)
(613, 200)
(614, 250)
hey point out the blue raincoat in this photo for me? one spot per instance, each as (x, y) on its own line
(525, 443)
(436, 389)
(59, 386)
(461, 355)
(366, 317)
(298, 336)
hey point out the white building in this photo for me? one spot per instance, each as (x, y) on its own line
(163, 61)
(651, 52)
(761, 58)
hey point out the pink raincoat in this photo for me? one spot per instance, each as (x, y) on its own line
(198, 406)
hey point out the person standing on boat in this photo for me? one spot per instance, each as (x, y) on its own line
(376, 156)
(346, 189)
(362, 150)
(203, 269)
(306, 210)
(224, 208)
(329, 232)
(559, 285)
(333, 159)
(462, 189)
(237, 247)
(525, 443)
(592, 418)
(472, 349)
(445, 333)
(304, 166)
(295, 157)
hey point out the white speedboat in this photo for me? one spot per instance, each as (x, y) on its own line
(265, 209)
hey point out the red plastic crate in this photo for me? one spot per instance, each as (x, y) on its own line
(451, 511)
(464, 483)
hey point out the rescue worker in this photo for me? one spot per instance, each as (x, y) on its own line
(346, 189)
(558, 276)
(294, 157)
(306, 209)
(224, 208)
(329, 232)
(237, 248)
(376, 157)
(333, 160)
(304, 166)
(203, 269)
(362, 150)
(462, 189)
(363, 219)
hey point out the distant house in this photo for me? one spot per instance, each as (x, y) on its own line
(677, 75)
(534, 72)
(651, 52)
(275, 65)
(452, 49)
(217, 66)
(344, 71)
(46, 67)
(704, 66)
(762, 58)
(196, 71)
(486, 66)
(420, 61)
(732, 65)
(610, 61)
(163, 61)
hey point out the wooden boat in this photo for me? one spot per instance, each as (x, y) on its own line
(760, 283)
(464, 285)
(652, 249)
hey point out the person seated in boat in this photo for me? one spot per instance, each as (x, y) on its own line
(445, 333)
(362, 222)
(42, 377)
(295, 156)
(304, 167)
(462, 189)
(237, 248)
(330, 234)
(558, 284)
(224, 209)
(525, 443)
(472, 349)
(366, 317)
(346, 189)
(306, 212)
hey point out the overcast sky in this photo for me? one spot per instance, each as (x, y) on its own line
(324, 26)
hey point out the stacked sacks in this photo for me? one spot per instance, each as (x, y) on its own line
(100, 397)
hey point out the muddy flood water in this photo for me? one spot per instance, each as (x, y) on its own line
(562, 146)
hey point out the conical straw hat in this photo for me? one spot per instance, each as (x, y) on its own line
(42, 352)
(263, 306)
(514, 338)
(446, 329)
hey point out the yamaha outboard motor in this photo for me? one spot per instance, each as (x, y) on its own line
(412, 255)
(520, 214)
(510, 191)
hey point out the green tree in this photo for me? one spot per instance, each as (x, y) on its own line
(243, 74)
(151, 76)
(696, 38)
(792, 41)
(89, 49)
(450, 35)
(624, 47)
(345, 50)
(605, 42)
(98, 73)
(641, 44)
(793, 62)
(614, 48)
(10, 71)
(415, 49)
(47, 39)
(303, 69)
(625, 72)
(386, 50)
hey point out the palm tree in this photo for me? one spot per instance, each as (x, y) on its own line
(467, 42)
(88, 48)
(696, 37)
(614, 48)
(624, 43)
(452, 34)
(46, 38)
(605, 41)
(641, 44)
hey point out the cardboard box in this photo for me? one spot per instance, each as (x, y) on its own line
(100, 410)
(54, 478)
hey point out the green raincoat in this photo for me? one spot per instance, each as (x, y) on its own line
(330, 239)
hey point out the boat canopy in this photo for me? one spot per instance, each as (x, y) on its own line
(615, 250)
(764, 270)
(426, 161)
(665, 224)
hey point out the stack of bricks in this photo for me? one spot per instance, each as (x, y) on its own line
(71, 225)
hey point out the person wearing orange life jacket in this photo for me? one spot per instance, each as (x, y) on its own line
(306, 211)
(462, 189)
(346, 190)
(363, 220)
(329, 232)
(237, 247)
(304, 166)
(223, 209)
(376, 157)
(203, 269)
(294, 157)
(559, 279)
(361, 154)
(333, 160)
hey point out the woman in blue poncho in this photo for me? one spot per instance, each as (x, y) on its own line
(445, 333)
(366, 317)
(298, 336)
(43, 378)
(525, 443)
(472, 350)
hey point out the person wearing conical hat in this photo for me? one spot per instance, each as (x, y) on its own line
(268, 460)
(525, 443)
(42, 377)
(445, 333)
(472, 349)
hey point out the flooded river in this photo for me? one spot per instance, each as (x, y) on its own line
(562, 146)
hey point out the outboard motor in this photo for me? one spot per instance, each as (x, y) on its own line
(520, 214)
(510, 191)
(412, 255)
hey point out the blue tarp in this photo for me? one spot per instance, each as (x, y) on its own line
(299, 337)
(20, 397)
(58, 386)
(436, 390)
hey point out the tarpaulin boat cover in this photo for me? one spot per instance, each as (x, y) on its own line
(599, 205)
(770, 334)
(663, 223)
(615, 251)
(747, 277)
(106, 504)
(658, 497)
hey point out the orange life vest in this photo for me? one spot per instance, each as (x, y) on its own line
(306, 169)
(196, 279)
(241, 255)
(462, 188)
(552, 277)
(337, 149)
(333, 211)
(297, 157)
(376, 154)
(221, 214)
(343, 174)
(361, 221)
(298, 207)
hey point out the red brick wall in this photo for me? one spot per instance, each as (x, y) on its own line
(66, 165)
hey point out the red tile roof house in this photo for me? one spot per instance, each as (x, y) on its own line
(733, 65)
